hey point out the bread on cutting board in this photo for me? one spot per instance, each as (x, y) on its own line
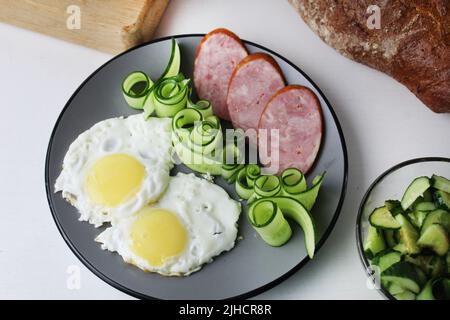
(411, 42)
(107, 25)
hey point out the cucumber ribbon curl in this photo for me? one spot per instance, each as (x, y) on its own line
(197, 140)
(166, 96)
(271, 199)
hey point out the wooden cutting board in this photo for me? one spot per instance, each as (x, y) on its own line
(107, 25)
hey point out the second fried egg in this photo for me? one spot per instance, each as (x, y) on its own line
(193, 222)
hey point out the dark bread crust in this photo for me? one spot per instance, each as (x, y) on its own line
(412, 46)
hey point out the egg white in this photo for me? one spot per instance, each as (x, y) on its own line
(148, 141)
(209, 215)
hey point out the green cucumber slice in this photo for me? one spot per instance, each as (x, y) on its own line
(436, 289)
(267, 186)
(198, 162)
(232, 161)
(447, 260)
(442, 199)
(203, 106)
(389, 237)
(268, 220)
(427, 292)
(173, 67)
(308, 198)
(441, 288)
(405, 295)
(435, 237)
(408, 234)
(293, 181)
(406, 275)
(394, 206)
(425, 206)
(382, 218)
(432, 265)
(417, 217)
(441, 183)
(438, 216)
(400, 247)
(428, 196)
(374, 242)
(394, 288)
(294, 210)
(386, 258)
(169, 96)
(135, 89)
(414, 191)
(246, 179)
(194, 140)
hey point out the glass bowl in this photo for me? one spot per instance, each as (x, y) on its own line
(391, 185)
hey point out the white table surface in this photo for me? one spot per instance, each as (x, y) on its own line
(382, 121)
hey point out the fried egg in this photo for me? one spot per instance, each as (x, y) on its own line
(117, 167)
(192, 222)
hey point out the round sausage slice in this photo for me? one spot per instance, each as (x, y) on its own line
(217, 55)
(253, 82)
(295, 111)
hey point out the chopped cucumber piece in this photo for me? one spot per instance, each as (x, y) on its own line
(436, 289)
(425, 206)
(394, 206)
(405, 295)
(394, 289)
(389, 237)
(417, 217)
(435, 237)
(406, 275)
(438, 216)
(386, 258)
(441, 288)
(435, 266)
(374, 243)
(441, 183)
(442, 199)
(382, 218)
(416, 234)
(400, 247)
(414, 191)
(408, 235)
(447, 260)
(427, 292)
(432, 265)
(428, 196)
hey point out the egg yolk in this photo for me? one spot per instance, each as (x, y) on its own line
(156, 235)
(114, 179)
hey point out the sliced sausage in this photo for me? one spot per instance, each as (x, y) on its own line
(217, 55)
(254, 80)
(295, 111)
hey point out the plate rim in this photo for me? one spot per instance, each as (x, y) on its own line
(250, 293)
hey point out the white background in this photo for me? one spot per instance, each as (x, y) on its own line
(382, 121)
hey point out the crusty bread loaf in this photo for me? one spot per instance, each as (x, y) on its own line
(412, 44)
